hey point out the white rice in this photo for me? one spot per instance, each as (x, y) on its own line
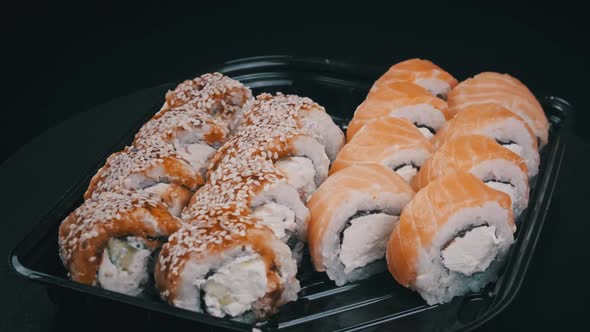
(504, 171)
(323, 128)
(435, 86)
(405, 159)
(309, 147)
(421, 115)
(513, 130)
(286, 196)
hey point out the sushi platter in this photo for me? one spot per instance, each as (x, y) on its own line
(283, 193)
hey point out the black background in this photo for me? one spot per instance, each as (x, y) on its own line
(63, 58)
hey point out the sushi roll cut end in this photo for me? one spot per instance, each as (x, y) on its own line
(249, 271)
(452, 238)
(352, 215)
(124, 265)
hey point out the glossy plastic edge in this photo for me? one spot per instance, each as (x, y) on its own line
(554, 163)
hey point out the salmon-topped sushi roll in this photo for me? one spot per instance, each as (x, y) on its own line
(494, 121)
(451, 238)
(401, 100)
(483, 157)
(392, 142)
(352, 215)
(421, 72)
(503, 90)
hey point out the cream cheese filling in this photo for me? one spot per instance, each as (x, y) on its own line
(233, 288)
(300, 174)
(473, 252)
(123, 266)
(279, 218)
(365, 240)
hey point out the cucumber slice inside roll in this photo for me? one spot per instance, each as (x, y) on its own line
(124, 266)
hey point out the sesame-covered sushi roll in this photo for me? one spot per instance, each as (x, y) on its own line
(157, 169)
(393, 142)
(109, 240)
(254, 183)
(220, 96)
(352, 216)
(194, 135)
(297, 112)
(494, 121)
(226, 264)
(482, 156)
(452, 238)
(273, 130)
(297, 155)
(401, 100)
(421, 72)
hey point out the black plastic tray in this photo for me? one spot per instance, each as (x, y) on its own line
(377, 303)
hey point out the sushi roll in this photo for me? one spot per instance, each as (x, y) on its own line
(503, 90)
(157, 169)
(393, 142)
(352, 215)
(297, 112)
(226, 264)
(194, 135)
(497, 167)
(401, 100)
(299, 156)
(494, 121)
(219, 96)
(109, 240)
(255, 184)
(277, 135)
(452, 238)
(421, 72)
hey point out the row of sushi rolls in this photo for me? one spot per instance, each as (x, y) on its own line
(216, 199)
